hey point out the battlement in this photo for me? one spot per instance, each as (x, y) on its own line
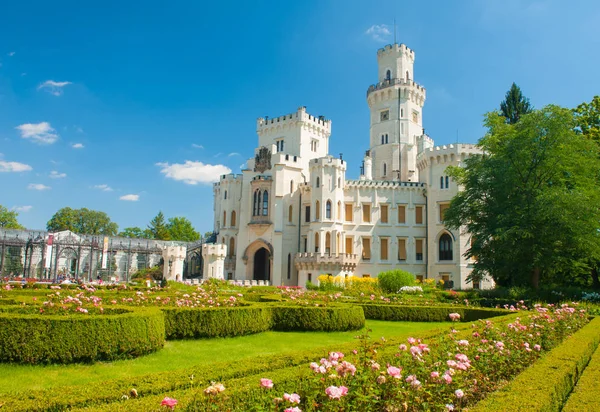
(328, 161)
(300, 117)
(231, 177)
(446, 154)
(396, 82)
(383, 184)
(216, 250)
(396, 48)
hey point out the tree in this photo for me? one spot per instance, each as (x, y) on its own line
(515, 105)
(530, 201)
(8, 219)
(83, 221)
(587, 118)
(158, 227)
(180, 228)
(136, 232)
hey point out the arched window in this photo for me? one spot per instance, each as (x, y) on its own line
(385, 169)
(233, 219)
(224, 219)
(382, 139)
(289, 267)
(225, 196)
(388, 75)
(441, 182)
(232, 247)
(386, 138)
(317, 210)
(339, 211)
(265, 203)
(407, 75)
(328, 210)
(291, 186)
(317, 242)
(256, 207)
(445, 247)
(447, 182)
(328, 243)
(318, 183)
(290, 213)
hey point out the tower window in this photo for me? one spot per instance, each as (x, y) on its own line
(384, 169)
(386, 138)
(388, 75)
(317, 210)
(307, 214)
(328, 210)
(289, 266)
(447, 182)
(225, 195)
(265, 203)
(318, 183)
(382, 139)
(290, 213)
(441, 182)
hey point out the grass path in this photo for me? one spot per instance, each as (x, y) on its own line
(185, 353)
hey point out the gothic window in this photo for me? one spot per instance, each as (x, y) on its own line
(289, 266)
(317, 242)
(384, 169)
(328, 243)
(339, 211)
(231, 247)
(256, 203)
(445, 247)
(386, 138)
(407, 75)
(441, 182)
(225, 196)
(388, 75)
(447, 182)
(318, 183)
(317, 210)
(265, 203)
(382, 139)
(233, 219)
(290, 210)
(224, 219)
(328, 210)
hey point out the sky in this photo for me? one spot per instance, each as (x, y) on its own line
(131, 107)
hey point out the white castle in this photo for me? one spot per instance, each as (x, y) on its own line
(292, 215)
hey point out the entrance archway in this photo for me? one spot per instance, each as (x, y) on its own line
(262, 265)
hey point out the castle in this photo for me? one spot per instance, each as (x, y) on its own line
(292, 215)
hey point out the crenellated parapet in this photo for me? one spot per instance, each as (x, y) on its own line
(328, 162)
(446, 154)
(383, 184)
(318, 125)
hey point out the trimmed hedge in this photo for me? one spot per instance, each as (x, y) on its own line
(585, 396)
(427, 313)
(79, 338)
(546, 385)
(190, 323)
(309, 318)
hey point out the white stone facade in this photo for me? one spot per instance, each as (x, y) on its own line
(292, 215)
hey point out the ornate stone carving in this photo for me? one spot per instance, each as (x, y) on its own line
(262, 160)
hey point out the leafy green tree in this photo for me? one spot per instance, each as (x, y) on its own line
(158, 227)
(515, 105)
(180, 228)
(530, 202)
(136, 232)
(210, 237)
(84, 221)
(8, 219)
(587, 118)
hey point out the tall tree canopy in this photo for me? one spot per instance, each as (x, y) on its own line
(515, 105)
(136, 232)
(158, 227)
(180, 228)
(84, 221)
(587, 117)
(8, 219)
(531, 200)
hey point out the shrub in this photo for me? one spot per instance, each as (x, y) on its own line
(427, 313)
(393, 280)
(585, 395)
(330, 318)
(79, 338)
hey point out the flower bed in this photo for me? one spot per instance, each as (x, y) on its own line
(35, 338)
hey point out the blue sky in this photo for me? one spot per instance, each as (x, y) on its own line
(102, 103)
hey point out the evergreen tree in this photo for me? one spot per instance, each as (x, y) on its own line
(158, 227)
(515, 105)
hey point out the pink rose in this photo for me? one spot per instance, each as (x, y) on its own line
(169, 402)
(447, 378)
(435, 375)
(459, 393)
(294, 409)
(266, 383)
(394, 372)
(402, 347)
(537, 347)
(335, 392)
(293, 398)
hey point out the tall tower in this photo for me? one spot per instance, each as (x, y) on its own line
(396, 104)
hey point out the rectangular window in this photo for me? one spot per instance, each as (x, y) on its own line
(366, 209)
(366, 248)
(384, 213)
(350, 244)
(307, 214)
(305, 244)
(366, 275)
(348, 212)
(383, 251)
(401, 249)
(419, 250)
(401, 213)
(420, 278)
(419, 215)
(443, 208)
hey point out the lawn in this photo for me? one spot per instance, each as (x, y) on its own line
(185, 353)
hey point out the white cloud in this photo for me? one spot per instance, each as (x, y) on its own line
(41, 133)
(193, 173)
(218, 154)
(14, 167)
(130, 198)
(233, 154)
(77, 146)
(55, 175)
(23, 209)
(11, 54)
(379, 32)
(197, 146)
(244, 166)
(38, 186)
(104, 188)
(52, 87)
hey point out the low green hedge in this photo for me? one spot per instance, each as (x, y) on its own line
(427, 313)
(190, 323)
(79, 338)
(310, 318)
(546, 385)
(586, 395)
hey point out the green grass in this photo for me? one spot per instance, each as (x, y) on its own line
(186, 353)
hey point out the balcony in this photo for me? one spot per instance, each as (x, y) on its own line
(342, 261)
(392, 82)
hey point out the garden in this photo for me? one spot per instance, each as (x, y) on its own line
(386, 344)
